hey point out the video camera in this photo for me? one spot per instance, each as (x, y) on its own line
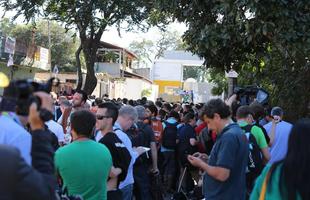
(246, 95)
(18, 96)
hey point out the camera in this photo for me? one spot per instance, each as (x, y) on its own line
(18, 96)
(246, 95)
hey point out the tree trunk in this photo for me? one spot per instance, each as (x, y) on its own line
(90, 50)
(79, 70)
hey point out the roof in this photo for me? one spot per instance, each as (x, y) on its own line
(134, 75)
(113, 46)
(179, 55)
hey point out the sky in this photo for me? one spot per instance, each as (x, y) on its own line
(112, 36)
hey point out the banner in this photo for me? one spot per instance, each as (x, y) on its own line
(10, 45)
(44, 53)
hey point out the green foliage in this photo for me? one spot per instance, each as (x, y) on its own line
(6, 26)
(148, 50)
(266, 42)
(90, 19)
(62, 43)
(196, 72)
(146, 93)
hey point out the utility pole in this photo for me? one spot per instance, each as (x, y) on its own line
(231, 76)
(49, 46)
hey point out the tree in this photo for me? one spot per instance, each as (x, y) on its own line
(196, 72)
(148, 50)
(62, 43)
(267, 42)
(90, 19)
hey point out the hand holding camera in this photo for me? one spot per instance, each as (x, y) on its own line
(276, 119)
(35, 116)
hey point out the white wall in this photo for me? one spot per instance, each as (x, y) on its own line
(172, 70)
(131, 88)
(134, 88)
(167, 71)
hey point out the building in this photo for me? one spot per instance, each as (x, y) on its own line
(168, 74)
(19, 60)
(119, 76)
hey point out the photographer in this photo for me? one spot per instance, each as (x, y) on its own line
(12, 132)
(279, 132)
(18, 179)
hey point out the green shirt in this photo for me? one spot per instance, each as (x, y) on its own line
(273, 190)
(84, 167)
(258, 134)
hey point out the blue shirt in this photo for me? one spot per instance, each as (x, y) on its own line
(13, 134)
(279, 147)
(126, 141)
(230, 151)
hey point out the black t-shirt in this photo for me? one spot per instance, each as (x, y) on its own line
(120, 155)
(185, 133)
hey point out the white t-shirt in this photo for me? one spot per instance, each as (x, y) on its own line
(56, 129)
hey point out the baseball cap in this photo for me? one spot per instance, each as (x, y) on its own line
(276, 111)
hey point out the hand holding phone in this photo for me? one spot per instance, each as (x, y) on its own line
(276, 118)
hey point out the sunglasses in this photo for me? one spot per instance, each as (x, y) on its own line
(100, 117)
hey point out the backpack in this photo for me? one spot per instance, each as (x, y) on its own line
(138, 137)
(255, 162)
(170, 135)
(157, 128)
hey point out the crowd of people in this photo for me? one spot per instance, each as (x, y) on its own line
(120, 149)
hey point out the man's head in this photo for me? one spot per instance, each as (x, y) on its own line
(141, 112)
(151, 110)
(244, 113)
(159, 104)
(82, 124)
(214, 113)
(126, 117)
(106, 115)
(65, 104)
(174, 114)
(79, 99)
(167, 107)
(189, 118)
(257, 110)
(277, 113)
(177, 107)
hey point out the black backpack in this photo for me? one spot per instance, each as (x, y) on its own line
(138, 137)
(255, 162)
(170, 135)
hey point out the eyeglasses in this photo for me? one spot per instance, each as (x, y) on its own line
(100, 117)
